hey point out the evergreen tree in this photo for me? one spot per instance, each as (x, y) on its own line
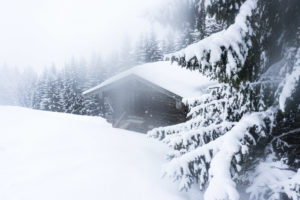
(127, 58)
(140, 50)
(112, 63)
(190, 18)
(152, 48)
(37, 95)
(168, 44)
(96, 74)
(234, 126)
(71, 93)
(54, 89)
(26, 87)
(44, 94)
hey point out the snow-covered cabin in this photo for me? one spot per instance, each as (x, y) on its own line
(150, 95)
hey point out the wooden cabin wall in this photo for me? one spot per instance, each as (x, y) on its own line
(158, 105)
(139, 100)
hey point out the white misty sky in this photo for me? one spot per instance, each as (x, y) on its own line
(38, 32)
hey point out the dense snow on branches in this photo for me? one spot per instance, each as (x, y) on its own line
(232, 43)
(291, 80)
(241, 138)
(212, 145)
(224, 147)
(275, 179)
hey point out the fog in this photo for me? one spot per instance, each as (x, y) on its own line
(37, 33)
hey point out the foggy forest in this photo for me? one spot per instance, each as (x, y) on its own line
(161, 99)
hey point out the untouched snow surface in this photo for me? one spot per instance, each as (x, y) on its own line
(52, 156)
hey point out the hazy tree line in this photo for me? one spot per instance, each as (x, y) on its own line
(60, 89)
(254, 111)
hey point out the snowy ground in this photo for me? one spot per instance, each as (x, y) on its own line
(55, 156)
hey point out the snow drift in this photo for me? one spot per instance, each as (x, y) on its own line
(48, 155)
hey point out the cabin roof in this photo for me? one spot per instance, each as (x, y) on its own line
(171, 77)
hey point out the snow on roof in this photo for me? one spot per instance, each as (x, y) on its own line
(180, 81)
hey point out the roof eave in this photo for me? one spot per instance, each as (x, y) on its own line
(106, 87)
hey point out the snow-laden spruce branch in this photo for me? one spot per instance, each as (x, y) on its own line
(280, 142)
(232, 43)
(191, 139)
(198, 145)
(275, 179)
(209, 113)
(195, 142)
(219, 154)
(227, 125)
(290, 82)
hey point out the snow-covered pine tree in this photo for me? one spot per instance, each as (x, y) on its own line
(112, 63)
(190, 19)
(93, 106)
(140, 50)
(47, 91)
(37, 95)
(54, 90)
(168, 44)
(234, 126)
(152, 49)
(26, 87)
(71, 93)
(96, 73)
(44, 95)
(127, 58)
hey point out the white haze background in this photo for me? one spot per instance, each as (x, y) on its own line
(37, 33)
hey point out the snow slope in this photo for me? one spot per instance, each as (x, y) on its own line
(56, 156)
